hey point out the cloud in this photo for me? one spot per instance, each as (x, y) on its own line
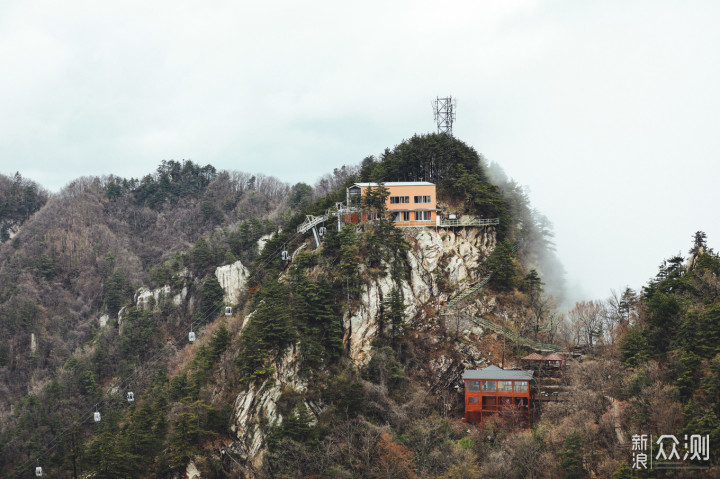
(607, 110)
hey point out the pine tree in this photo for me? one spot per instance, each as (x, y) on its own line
(201, 256)
(212, 298)
(503, 268)
(571, 456)
(394, 316)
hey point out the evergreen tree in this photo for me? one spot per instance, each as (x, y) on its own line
(503, 268)
(571, 456)
(699, 242)
(349, 259)
(212, 298)
(375, 200)
(106, 457)
(116, 292)
(201, 256)
(394, 316)
(268, 332)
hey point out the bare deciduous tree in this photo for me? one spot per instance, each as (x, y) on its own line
(588, 317)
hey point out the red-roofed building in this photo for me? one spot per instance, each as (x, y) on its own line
(550, 365)
(532, 361)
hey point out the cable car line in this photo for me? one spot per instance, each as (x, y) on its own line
(96, 415)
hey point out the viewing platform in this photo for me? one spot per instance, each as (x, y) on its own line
(468, 221)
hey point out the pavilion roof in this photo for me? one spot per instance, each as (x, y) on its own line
(554, 357)
(533, 357)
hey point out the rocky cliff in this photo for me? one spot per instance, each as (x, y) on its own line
(232, 278)
(443, 263)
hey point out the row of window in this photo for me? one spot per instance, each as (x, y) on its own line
(499, 386)
(419, 216)
(397, 200)
(500, 403)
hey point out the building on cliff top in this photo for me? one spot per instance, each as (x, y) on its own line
(507, 394)
(411, 203)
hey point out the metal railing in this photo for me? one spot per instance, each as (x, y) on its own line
(403, 224)
(311, 221)
(517, 337)
(474, 289)
(468, 221)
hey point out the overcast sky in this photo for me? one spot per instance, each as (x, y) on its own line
(607, 111)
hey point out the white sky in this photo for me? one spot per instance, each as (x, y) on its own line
(607, 110)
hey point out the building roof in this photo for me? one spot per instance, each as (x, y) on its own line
(396, 183)
(533, 357)
(554, 357)
(494, 372)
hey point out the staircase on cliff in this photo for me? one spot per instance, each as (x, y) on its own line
(508, 333)
(517, 337)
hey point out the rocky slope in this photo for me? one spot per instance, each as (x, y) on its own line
(456, 256)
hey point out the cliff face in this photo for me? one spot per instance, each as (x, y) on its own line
(232, 278)
(454, 258)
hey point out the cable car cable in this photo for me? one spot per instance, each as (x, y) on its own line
(152, 361)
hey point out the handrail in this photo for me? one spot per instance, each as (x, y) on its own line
(311, 221)
(470, 222)
(475, 288)
(514, 336)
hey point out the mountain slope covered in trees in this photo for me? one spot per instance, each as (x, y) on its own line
(274, 389)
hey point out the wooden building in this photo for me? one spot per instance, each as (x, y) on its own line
(410, 203)
(550, 365)
(555, 362)
(533, 361)
(507, 393)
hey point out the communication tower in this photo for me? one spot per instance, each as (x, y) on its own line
(444, 109)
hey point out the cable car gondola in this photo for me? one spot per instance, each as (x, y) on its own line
(96, 416)
(38, 471)
(130, 396)
(228, 311)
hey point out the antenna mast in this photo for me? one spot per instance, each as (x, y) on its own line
(444, 109)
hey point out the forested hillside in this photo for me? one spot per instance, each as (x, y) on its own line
(87, 250)
(342, 360)
(19, 199)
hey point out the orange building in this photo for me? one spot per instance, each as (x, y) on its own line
(411, 203)
(509, 393)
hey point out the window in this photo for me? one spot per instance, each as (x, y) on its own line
(521, 386)
(422, 216)
(473, 385)
(406, 216)
(505, 386)
(422, 199)
(488, 386)
(394, 200)
(473, 399)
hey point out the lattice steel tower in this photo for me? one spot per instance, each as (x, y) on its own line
(444, 109)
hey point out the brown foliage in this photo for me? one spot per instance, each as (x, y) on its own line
(394, 460)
